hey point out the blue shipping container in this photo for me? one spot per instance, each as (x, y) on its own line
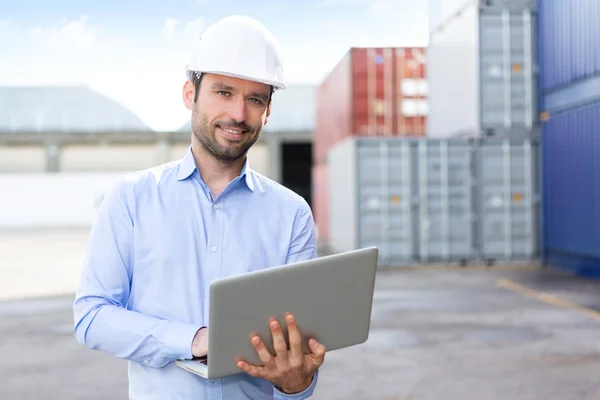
(569, 60)
(571, 194)
(569, 37)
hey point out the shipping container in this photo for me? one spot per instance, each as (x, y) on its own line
(482, 70)
(320, 200)
(571, 194)
(372, 92)
(570, 39)
(435, 200)
(570, 100)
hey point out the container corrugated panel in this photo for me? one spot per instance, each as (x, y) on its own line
(482, 58)
(372, 92)
(389, 92)
(385, 211)
(571, 194)
(508, 199)
(320, 200)
(443, 184)
(570, 39)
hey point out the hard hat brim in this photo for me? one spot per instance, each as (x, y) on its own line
(277, 85)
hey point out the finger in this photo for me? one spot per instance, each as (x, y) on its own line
(318, 353)
(252, 370)
(318, 349)
(262, 351)
(279, 344)
(294, 336)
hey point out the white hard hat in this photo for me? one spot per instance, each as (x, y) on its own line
(240, 47)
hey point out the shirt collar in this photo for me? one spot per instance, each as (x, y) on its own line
(188, 166)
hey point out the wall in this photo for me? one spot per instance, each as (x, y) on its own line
(27, 158)
(452, 74)
(343, 182)
(31, 198)
(85, 158)
(52, 200)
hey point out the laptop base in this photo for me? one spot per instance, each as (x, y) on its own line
(196, 366)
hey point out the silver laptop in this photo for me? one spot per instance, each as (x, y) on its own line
(331, 298)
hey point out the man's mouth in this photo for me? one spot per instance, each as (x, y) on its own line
(233, 131)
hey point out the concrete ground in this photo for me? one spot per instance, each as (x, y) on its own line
(437, 333)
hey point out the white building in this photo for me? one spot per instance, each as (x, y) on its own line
(62, 147)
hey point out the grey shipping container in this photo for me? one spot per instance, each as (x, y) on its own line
(482, 70)
(434, 200)
(507, 199)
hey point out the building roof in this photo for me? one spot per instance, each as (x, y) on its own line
(72, 109)
(293, 110)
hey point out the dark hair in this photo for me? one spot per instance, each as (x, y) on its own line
(196, 78)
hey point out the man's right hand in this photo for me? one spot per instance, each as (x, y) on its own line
(200, 343)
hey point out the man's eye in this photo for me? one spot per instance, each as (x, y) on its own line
(223, 93)
(256, 101)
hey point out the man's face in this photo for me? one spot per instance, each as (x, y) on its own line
(228, 114)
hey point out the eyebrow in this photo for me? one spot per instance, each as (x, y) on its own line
(221, 86)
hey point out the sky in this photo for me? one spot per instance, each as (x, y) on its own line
(135, 51)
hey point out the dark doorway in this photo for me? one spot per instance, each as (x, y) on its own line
(296, 163)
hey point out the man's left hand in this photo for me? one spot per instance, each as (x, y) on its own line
(290, 370)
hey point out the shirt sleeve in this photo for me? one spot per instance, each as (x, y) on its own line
(101, 320)
(306, 393)
(302, 247)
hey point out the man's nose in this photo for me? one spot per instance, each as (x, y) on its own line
(237, 110)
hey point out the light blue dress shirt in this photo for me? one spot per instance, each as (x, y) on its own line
(156, 244)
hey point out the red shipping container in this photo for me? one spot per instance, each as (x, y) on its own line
(372, 92)
(320, 200)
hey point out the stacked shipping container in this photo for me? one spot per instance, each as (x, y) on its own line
(481, 69)
(435, 200)
(371, 92)
(570, 99)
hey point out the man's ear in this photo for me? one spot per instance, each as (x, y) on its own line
(269, 110)
(189, 93)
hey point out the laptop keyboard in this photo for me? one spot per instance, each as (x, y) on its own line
(201, 360)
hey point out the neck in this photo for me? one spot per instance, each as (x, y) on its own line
(217, 174)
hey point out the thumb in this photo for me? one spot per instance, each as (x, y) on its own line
(318, 349)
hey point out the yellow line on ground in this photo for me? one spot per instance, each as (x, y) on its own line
(546, 298)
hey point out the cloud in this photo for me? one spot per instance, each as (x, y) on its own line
(188, 32)
(169, 28)
(76, 34)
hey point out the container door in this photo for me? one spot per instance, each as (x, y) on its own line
(444, 191)
(384, 199)
(508, 75)
(508, 199)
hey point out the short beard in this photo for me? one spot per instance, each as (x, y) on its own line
(206, 136)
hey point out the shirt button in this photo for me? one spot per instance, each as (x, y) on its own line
(217, 206)
(146, 361)
(214, 248)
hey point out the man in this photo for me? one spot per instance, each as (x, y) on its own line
(162, 235)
